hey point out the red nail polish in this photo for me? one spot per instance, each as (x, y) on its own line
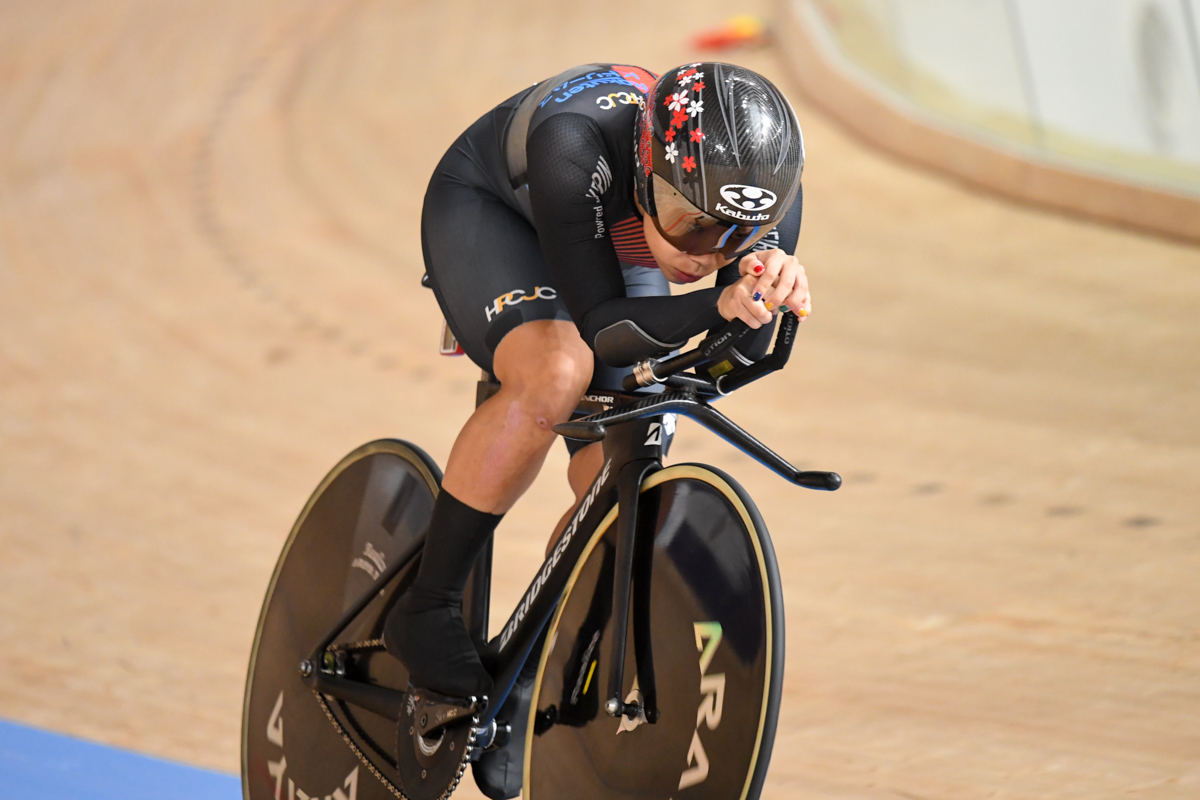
(758, 269)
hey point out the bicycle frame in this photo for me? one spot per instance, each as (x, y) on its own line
(632, 451)
(632, 430)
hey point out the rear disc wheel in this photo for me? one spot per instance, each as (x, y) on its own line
(370, 511)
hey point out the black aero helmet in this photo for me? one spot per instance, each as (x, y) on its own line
(718, 156)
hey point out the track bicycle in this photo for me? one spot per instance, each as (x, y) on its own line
(645, 660)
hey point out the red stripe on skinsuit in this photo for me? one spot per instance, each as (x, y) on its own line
(640, 77)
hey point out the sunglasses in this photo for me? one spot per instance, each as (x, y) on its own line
(692, 231)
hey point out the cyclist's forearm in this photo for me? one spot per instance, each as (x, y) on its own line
(648, 326)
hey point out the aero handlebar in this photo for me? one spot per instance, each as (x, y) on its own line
(711, 351)
(691, 389)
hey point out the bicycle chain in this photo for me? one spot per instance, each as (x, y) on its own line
(370, 644)
(351, 647)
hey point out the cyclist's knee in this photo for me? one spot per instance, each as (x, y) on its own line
(565, 374)
(545, 361)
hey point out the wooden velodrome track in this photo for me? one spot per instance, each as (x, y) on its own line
(208, 294)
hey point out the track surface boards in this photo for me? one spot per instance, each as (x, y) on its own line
(208, 294)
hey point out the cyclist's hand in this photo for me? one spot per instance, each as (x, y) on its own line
(779, 281)
(737, 302)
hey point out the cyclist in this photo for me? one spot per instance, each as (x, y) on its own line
(550, 231)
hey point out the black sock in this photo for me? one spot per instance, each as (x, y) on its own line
(457, 535)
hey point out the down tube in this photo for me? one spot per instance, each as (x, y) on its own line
(505, 654)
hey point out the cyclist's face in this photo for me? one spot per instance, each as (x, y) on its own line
(676, 265)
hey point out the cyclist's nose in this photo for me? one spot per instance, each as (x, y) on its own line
(709, 262)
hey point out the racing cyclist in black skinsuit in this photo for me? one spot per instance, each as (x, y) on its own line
(550, 231)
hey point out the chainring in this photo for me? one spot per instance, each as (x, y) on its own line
(430, 768)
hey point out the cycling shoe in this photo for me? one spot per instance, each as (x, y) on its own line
(433, 644)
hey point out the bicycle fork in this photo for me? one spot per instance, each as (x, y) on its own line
(632, 574)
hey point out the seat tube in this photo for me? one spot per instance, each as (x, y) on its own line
(477, 597)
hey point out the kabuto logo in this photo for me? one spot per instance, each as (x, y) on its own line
(732, 212)
(748, 198)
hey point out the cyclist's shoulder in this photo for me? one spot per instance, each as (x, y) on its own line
(592, 87)
(604, 97)
(582, 129)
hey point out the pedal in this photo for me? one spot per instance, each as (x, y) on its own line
(493, 736)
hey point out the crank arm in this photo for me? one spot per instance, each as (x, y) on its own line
(431, 711)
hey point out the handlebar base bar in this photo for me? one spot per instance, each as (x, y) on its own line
(593, 429)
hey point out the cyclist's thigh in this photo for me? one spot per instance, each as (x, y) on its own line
(485, 264)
